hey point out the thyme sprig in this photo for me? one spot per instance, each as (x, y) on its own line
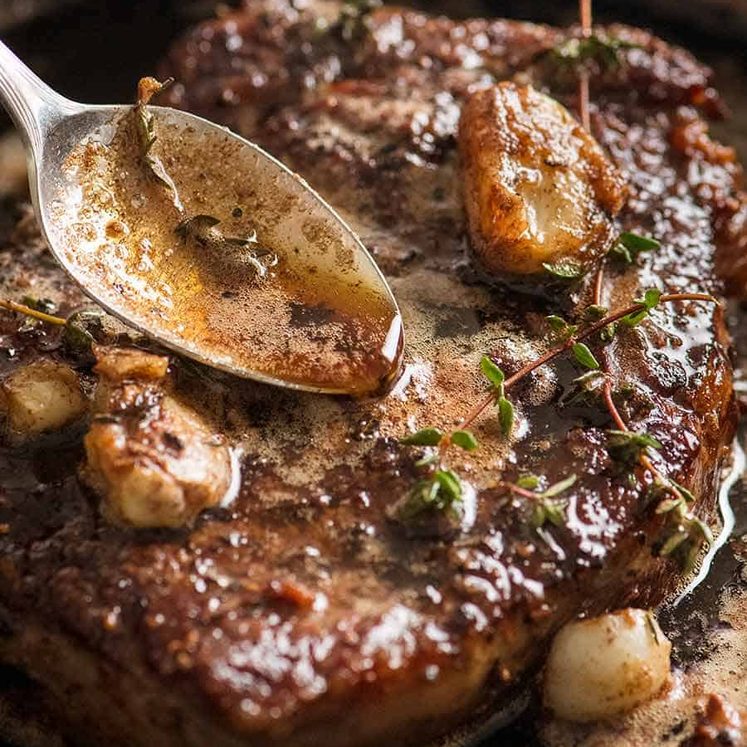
(497, 380)
(29, 310)
(146, 128)
(547, 507)
(685, 533)
(440, 491)
(598, 49)
(628, 449)
(630, 245)
(79, 329)
(589, 331)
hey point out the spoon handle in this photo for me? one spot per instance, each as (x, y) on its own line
(31, 103)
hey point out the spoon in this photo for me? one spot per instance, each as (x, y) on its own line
(232, 259)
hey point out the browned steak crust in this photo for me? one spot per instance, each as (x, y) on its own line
(303, 614)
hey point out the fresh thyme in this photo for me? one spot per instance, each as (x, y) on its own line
(565, 269)
(441, 491)
(80, 330)
(648, 303)
(587, 389)
(627, 447)
(547, 508)
(684, 532)
(630, 245)
(464, 440)
(584, 357)
(600, 50)
(497, 380)
(424, 437)
(32, 312)
(147, 88)
(562, 329)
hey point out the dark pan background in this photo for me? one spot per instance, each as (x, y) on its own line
(96, 50)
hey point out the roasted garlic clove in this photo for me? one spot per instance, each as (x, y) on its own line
(604, 666)
(539, 191)
(41, 397)
(155, 461)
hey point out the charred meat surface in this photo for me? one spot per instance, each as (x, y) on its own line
(305, 613)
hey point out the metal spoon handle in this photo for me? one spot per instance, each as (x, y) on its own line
(31, 103)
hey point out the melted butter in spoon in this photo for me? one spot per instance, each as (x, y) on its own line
(259, 280)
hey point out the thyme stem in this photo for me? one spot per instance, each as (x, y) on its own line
(583, 99)
(611, 406)
(607, 387)
(28, 311)
(585, 14)
(583, 76)
(523, 492)
(589, 331)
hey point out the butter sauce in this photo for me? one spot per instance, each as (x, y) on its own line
(315, 317)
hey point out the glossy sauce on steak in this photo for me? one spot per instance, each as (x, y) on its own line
(305, 611)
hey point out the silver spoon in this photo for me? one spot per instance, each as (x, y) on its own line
(241, 266)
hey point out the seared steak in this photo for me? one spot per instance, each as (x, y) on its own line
(308, 612)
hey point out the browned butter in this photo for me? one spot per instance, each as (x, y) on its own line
(321, 317)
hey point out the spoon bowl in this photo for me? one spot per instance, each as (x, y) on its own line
(241, 265)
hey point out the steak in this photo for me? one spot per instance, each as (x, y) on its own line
(307, 611)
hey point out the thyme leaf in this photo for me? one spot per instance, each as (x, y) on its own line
(626, 447)
(594, 312)
(427, 460)
(566, 269)
(603, 50)
(492, 373)
(449, 485)
(562, 329)
(584, 356)
(548, 511)
(683, 491)
(464, 440)
(147, 88)
(45, 305)
(505, 415)
(82, 330)
(630, 245)
(439, 492)
(649, 301)
(548, 508)
(586, 389)
(558, 487)
(424, 437)
(529, 482)
(686, 536)
(608, 333)
(497, 380)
